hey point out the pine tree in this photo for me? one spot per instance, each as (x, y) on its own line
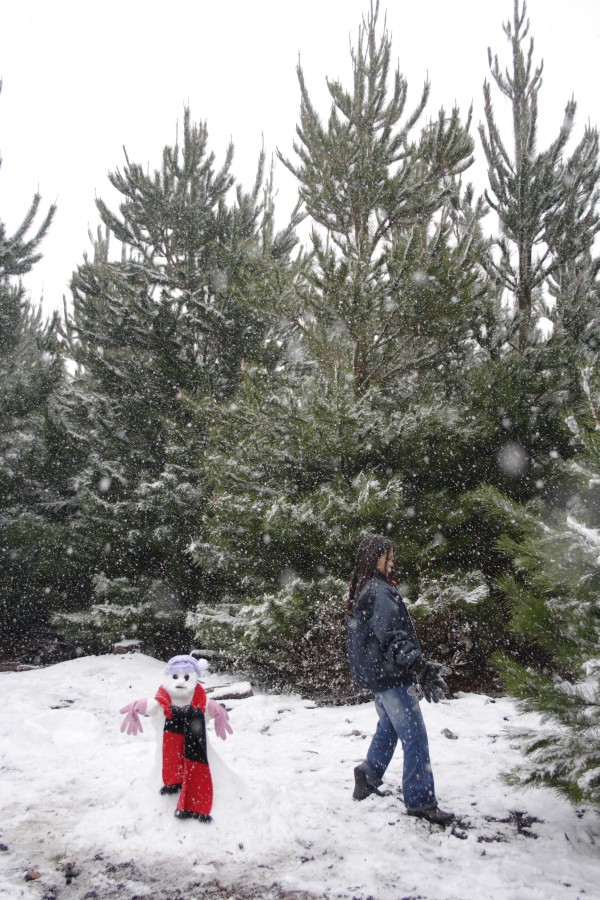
(31, 372)
(387, 278)
(554, 598)
(162, 337)
(549, 659)
(417, 398)
(541, 266)
(575, 341)
(545, 203)
(524, 394)
(346, 437)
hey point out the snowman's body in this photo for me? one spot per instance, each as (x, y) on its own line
(181, 707)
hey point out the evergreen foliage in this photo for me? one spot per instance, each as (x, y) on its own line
(416, 386)
(162, 338)
(393, 278)
(553, 593)
(363, 428)
(32, 557)
(546, 203)
(546, 525)
(541, 267)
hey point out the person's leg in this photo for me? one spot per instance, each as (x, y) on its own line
(383, 744)
(401, 706)
(369, 774)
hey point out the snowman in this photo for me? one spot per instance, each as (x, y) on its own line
(182, 704)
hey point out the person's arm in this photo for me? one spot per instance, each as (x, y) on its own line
(391, 624)
(394, 631)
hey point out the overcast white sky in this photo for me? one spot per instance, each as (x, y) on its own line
(83, 78)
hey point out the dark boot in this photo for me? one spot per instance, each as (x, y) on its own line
(435, 815)
(362, 788)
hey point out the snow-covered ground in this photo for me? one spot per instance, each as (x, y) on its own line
(79, 802)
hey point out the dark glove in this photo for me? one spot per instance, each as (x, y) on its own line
(429, 678)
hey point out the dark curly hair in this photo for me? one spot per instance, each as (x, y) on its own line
(370, 550)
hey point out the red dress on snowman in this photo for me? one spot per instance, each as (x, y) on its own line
(184, 704)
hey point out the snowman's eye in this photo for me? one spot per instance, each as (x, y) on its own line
(175, 677)
(187, 677)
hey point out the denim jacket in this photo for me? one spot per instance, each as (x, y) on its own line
(382, 642)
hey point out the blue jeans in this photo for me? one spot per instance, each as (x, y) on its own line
(400, 717)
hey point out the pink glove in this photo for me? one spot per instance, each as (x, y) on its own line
(221, 717)
(132, 723)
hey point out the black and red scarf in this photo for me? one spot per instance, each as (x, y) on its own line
(184, 756)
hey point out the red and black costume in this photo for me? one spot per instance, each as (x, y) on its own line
(184, 756)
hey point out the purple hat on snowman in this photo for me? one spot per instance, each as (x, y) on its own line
(178, 665)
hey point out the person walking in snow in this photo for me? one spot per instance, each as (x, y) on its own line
(385, 657)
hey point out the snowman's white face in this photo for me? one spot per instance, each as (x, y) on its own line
(181, 687)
